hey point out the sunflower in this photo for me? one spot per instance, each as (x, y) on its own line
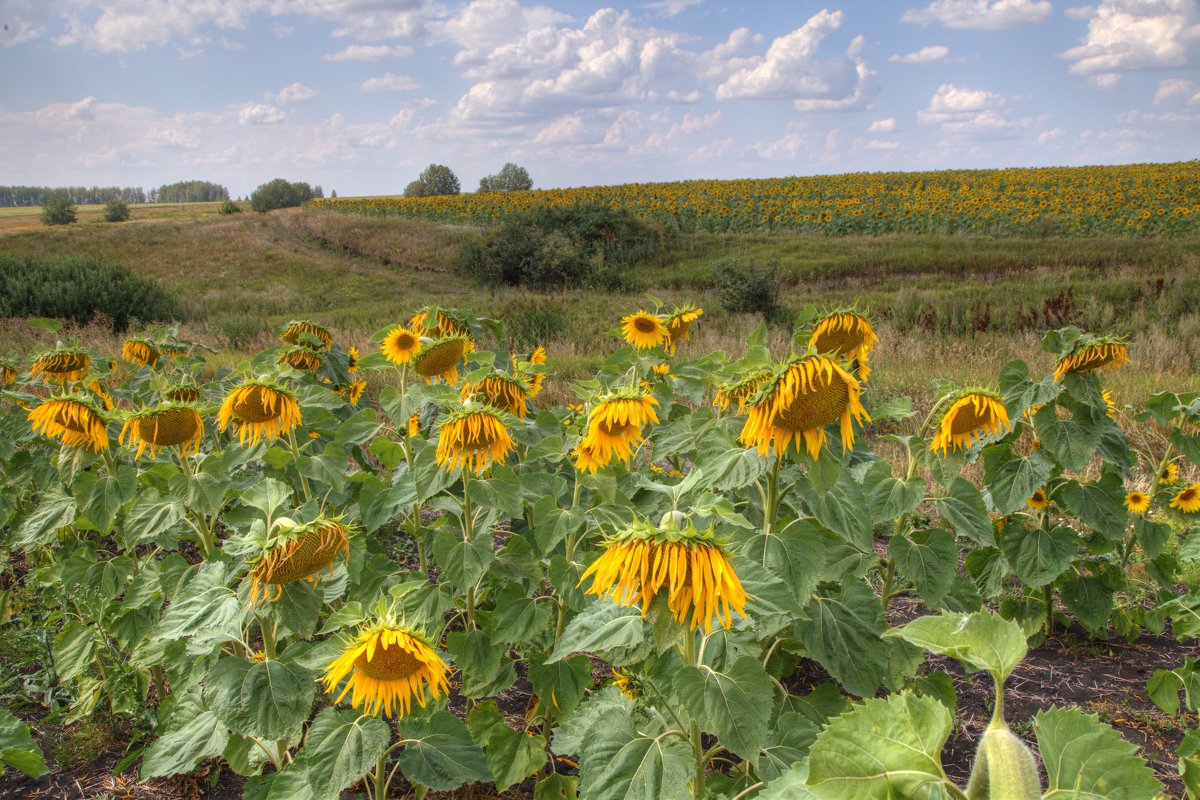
(644, 330)
(295, 553)
(355, 391)
(1169, 475)
(846, 334)
(401, 345)
(390, 665)
(1137, 502)
(352, 359)
(414, 425)
(630, 686)
(473, 437)
(534, 378)
(740, 390)
(538, 356)
(448, 324)
(101, 394)
(141, 352)
(689, 564)
(440, 359)
(678, 325)
(294, 330)
(71, 418)
(1110, 405)
(1038, 501)
(798, 401)
(1188, 499)
(301, 358)
(182, 393)
(262, 411)
(1091, 353)
(614, 428)
(63, 364)
(8, 373)
(973, 415)
(164, 426)
(662, 369)
(501, 391)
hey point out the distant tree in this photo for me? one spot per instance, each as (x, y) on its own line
(510, 178)
(229, 207)
(59, 210)
(116, 210)
(280, 194)
(333, 194)
(190, 192)
(436, 180)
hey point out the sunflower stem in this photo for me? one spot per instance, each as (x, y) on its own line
(1048, 599)
(572, 542)
(701, 765)
(379, 777)
(296, 455)
(771, 512)
(269, 633)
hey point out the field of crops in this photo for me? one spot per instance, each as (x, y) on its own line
(681, 584)
(1139, 199)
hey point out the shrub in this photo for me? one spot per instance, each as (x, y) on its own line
(229, 207)
(116, 211)
(280, 194)
(435, 180)
(510, 178)
(749, 287)
(59, 210)
(78, 289)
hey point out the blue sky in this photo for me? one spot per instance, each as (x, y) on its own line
(360, 95)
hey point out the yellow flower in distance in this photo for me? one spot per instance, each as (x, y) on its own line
(798, 402)
(1170, 474)
(472, 438)
(1091, 353)
(294, 329)
(679, 324)
(440, 359)
(298, 553)
(352, 359)
(1110, 405)
(8, 373)
(501, 391)
(355, 391)
(60, 365)
(974, 415)
(389, 667)
(688, 564)
(644, 330)
(164, 426)
(141, 352)
(614, 428)
(1137, 502)
(1188, 499)
(262, 411)
(1038, 501)
(847, 335)
(401, 345)
(71, 419)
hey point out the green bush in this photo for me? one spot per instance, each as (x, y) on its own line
(749, 287)
(79, 288)
(59, 210)
(116, 211)
(280, 194)
(229, 207)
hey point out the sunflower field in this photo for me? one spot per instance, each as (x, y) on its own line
(1136, 199)
(399, 573)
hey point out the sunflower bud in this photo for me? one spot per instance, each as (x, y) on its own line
(1004, 768)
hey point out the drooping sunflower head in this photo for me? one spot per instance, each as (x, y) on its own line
(60, 365)
(1187, 499)
(165, 426)
(972, 416)
(440, 359)
(679, 324)
(1137, 502)
(401, 345)
(846, 334)
(644, 330)
(262, 411)
(1091, 353)
(446, 322)
(182, 393)
(740, 390)
(798, 401)
(301, 358)
(140, 351)
(390, 666)
(501, 390)
(690, 565)
(8, 373)
(293, 333)
(72, 419)
(473, 437)
(614, 427)
(1110, 405)
(296, 552)
(99, 391)
(1038, 501)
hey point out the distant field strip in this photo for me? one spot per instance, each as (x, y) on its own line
(1139, 199)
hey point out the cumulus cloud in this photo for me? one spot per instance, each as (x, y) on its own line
(1177, 91)
(1125, 35)
(672, 8)
(933, 54)
(960, 110)
(123, 26)
(294, 93)
(389, 82)
(984, 15)
(370, 52)
(882, 126)
(260, 114)
(484, 26)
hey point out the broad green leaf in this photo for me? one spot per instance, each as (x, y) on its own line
(890, 497)
(736, 705)
(842, 632)
(342, 747)
(102, 498)
(1020, 393)
(789, 785)
(797, 555)
(269, 700)
(151, 517)
(1090, 598)
(964, 510)
(1087, 760)
(1072, 441)
(786, 745)
(844, 510)
(205, 618)
(614, 633)
(927, 559)
(511, 755)
(602, 708)
(268, 496)
(1012, 479)
(192, 733)
(556, 787)
(562, 684)
(18, 749)
(519, 617)
(441, 754)
(75, 649)
(982, 641)
(1038, 556)
(1100, 505)
(621, 764)
(462, 562)
(486, 668)
(56, 510)
(881, 749)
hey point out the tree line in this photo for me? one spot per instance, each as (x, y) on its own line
(180, 192)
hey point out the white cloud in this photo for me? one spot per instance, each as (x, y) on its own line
(979, 14)
(260, 114)
(124, 26)
(882, 126)
(1177, 91)
(1126, 35)
(1050, 136)
(1078, 12)
(932, 54)
(565, 130)
(686, 98)
(390, 82)
(293, 93)
(370, 52)
(959, 110)
(485, 26)
(672, 8)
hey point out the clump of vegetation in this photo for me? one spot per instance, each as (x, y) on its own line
(59, 209)
(282, 194)
(116, 211)
(229, 207)
(570, 246)
(79, 288)
(435, 181)
(529, 323)
(748, 287)
(510, 178)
